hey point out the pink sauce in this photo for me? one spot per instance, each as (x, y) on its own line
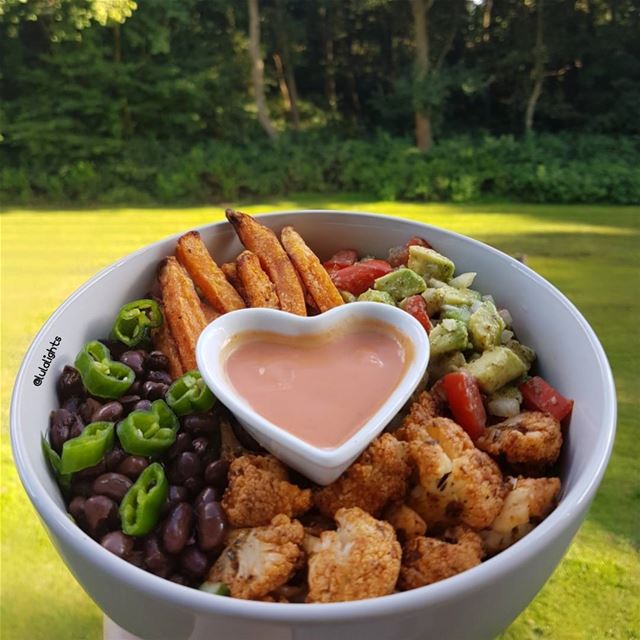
(320, 388)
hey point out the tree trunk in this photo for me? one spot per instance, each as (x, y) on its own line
(286, 65)
(537, 73)
(257, 70)
(329, 59)
(486, 20)
(424, 135)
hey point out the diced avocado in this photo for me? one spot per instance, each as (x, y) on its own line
(401, 283)
(371, 295)
(494, 368)
(429, 263)
(457, 313)
(446, 363)
(526, 354)
(509, 391)
(347, 296)
(455, 296)
(434, 299)
(485, 327)
(449, 335)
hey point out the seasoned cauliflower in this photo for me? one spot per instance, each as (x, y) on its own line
(259, 490)
(258, 561)
(457, 482)
(528, 501)
(407, 523)
(530, 440)
(378, 476)
(428, 560)
(359, 560)
(426, 405)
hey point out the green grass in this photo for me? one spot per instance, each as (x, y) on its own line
(591, 253)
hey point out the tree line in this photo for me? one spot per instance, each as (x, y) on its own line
(85, 80)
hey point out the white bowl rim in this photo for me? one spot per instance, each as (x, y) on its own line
(464, 583)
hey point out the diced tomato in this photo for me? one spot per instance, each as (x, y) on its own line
(399, 256)
(539, 395)
(465, 402)
(341, 259)
(417, 307)
(359, 277)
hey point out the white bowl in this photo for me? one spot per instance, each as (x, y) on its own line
(475, 604)
(319, 464)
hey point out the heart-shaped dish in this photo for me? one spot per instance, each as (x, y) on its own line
(322, 465)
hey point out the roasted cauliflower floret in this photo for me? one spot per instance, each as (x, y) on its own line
(427, 405)
(407, 523)
(258, 561)
(428, 560)
(359, 560)
(259, 490)
(378, 476)
(528, 501)
(457, 482)
(530, 440)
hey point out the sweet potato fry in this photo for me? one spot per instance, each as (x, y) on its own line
(259, 290)
(230, 270)
(313, 274)
(273, 258)
(163, 341)
(215, 288)
(210, 314)
(183, 312)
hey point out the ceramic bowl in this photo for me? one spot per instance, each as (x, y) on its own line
(475, 604)
(322, 465)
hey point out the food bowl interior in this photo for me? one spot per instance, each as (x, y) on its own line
(569, 355)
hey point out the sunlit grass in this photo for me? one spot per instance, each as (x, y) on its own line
(590, 253)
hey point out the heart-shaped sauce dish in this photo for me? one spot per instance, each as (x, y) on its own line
(314, 391)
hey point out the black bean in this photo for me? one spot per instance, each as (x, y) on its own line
(211, 525)
(208, 494)
(118, 543)
(177, 528)
(88, 408)
(176, 494)
(142, 405)
(216, 472)
(199, 446)
(154, 390)
(69, 383)
(76, 509)
(135, 388)
(244, 438)
(81, 487)
(72, 404)
(186, 465)
(136, 558)
(132, 466)
(155, 559)
(179, 579)
(181, 444)
(157, 361)
(134, 360)
(116, 348)
(129, 402)
(113, 458)
(101, 515)
(59, 423)
(91, 472)
(160, 376)
(193, 562)
(113, 485)
(199, 423)
(77, 427)
(194, 485)
(110, 412)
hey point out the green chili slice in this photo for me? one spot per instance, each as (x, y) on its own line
(63, 479)
(141, 506)
(102, 376)
(189, 394)
(149, 433)
(135, 321)
(88, 448)
(215, 588)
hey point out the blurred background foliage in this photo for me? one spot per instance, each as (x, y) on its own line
(118, 102)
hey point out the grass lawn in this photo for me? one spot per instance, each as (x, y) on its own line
(591, 253)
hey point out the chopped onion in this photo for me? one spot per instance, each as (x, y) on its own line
(475, 305)
(506, 316)
(464, 280)
(506, 336)
(489, 298)
(504, 407)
